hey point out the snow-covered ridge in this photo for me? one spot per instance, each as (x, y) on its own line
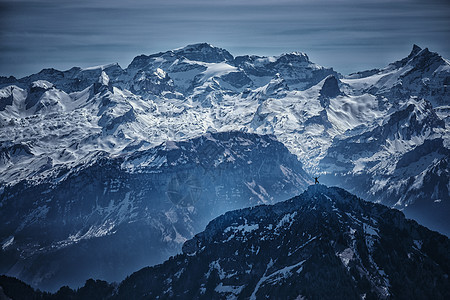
(201, 87)
(242, 254)
(184, 93)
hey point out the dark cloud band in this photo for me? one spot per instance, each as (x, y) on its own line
(345, 34)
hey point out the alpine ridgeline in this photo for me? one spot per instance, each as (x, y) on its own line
(105, 155)
(324, 244)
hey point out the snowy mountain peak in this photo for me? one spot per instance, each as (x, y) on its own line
(420, 59)
(425, 60)
(422, 74)
(104, 78)
(43, 84)
(204, 52)
(294, 57)
(197, 47)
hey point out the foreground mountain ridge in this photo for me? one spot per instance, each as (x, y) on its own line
(325, 243)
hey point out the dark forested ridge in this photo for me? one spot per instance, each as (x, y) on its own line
(324, 244)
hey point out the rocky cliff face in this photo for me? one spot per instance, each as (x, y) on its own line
(113, 215)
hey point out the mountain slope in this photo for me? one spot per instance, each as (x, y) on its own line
(147, 202)
(400, 163)
(325, 243)
(422, 73)
(401, 159)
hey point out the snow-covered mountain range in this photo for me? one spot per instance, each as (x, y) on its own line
(86, 151)
(113, 215)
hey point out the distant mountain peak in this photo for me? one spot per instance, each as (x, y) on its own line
(330, 87)
(204, 52)
(415, 49)
(198, 46)
(417, 54)
(294, 57)
(103, 78)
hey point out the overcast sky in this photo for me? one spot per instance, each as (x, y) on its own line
(347, 35)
